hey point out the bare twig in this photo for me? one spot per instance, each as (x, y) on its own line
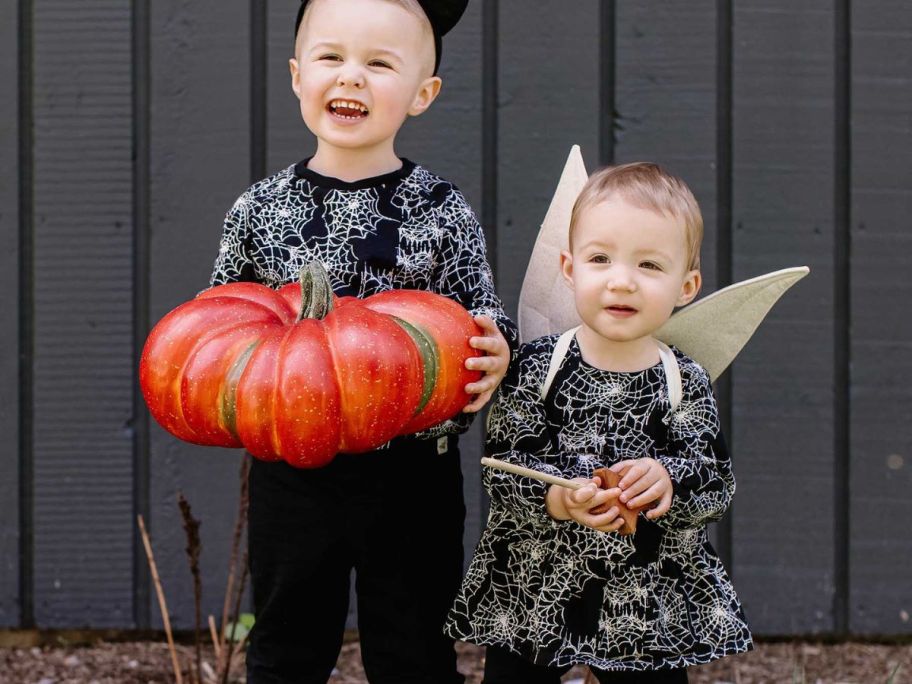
(243, 501)
(213, 634)
(194, 546)
(237, 610)
(161, 600)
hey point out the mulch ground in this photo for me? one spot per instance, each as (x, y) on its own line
(147, 662)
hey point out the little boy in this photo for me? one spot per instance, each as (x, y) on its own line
(552, 583)
(377, 222)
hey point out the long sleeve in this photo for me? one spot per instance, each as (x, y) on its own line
(697, 459)
(233, 262)
(463, 272)
(464, 275)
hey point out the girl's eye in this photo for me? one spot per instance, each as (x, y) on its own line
(651, 265)
(600, 259)
(331, 58)
(379, 63)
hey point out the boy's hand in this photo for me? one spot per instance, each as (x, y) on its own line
(494, 364)
(645, 483)
(566, 504)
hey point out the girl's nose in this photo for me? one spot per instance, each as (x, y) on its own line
(620, 279)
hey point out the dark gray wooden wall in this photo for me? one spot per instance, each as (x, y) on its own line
(128, 129)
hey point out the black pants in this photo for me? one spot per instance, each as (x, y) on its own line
(504, 667)
(396, 516)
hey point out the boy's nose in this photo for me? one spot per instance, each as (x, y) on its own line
(351, 77)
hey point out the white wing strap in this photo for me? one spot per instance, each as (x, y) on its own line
(672, 375)
(669, 365)
(557, 358)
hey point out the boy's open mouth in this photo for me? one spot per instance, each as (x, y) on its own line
(348, 109)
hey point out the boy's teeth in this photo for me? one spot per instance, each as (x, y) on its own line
(347, 104)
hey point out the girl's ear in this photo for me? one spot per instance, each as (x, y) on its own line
(567, 267)
(689, 289)
(295, 76)
(427, 93)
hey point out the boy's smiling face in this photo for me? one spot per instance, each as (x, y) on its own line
(628, 269)
(360, 68)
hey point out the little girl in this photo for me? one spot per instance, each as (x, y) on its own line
(552, 583)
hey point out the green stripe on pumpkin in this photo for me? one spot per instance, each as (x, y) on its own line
(229, 395)
(429, 353)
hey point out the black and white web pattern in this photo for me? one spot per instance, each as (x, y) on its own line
(411, 230)
(560, 593)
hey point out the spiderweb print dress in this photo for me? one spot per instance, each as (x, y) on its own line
(559, 593)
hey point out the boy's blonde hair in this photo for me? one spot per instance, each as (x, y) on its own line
(647, 186)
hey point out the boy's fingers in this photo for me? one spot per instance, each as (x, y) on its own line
(486, 323)
(482, 363)
(478, 402)
(485, 384)
(493, 345)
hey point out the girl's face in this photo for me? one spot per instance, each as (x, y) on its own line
(628, 269)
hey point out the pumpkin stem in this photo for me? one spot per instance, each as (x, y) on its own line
(316, 292)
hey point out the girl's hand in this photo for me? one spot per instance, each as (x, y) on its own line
(574, 504)
(645, 483)
(494, 363)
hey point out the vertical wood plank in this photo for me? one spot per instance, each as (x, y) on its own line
(200, 163)
(9, 315)
(783, 396)
(548, 101)
(288, 140)
(83, 373)
(881, 371)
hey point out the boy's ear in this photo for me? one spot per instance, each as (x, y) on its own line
(427, 93)
(567, 267)
(295, 76)
(692, 282)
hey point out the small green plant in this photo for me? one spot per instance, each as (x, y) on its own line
(238, 631)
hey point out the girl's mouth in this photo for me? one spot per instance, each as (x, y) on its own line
(621, 310)
(348, 109)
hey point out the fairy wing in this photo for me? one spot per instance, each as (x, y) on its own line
(545, 301)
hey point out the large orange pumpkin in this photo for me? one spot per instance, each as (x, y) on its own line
(300, 375)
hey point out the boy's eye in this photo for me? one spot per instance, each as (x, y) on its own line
(600, 259)
(330, 57)
(651, 265)
(379, 63)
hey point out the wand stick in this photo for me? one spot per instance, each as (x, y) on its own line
(534, 474)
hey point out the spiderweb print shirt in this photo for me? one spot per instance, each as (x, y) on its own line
(557, 592)
(407, 229)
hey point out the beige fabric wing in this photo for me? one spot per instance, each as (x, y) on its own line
(546, 301)
(714, 329)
